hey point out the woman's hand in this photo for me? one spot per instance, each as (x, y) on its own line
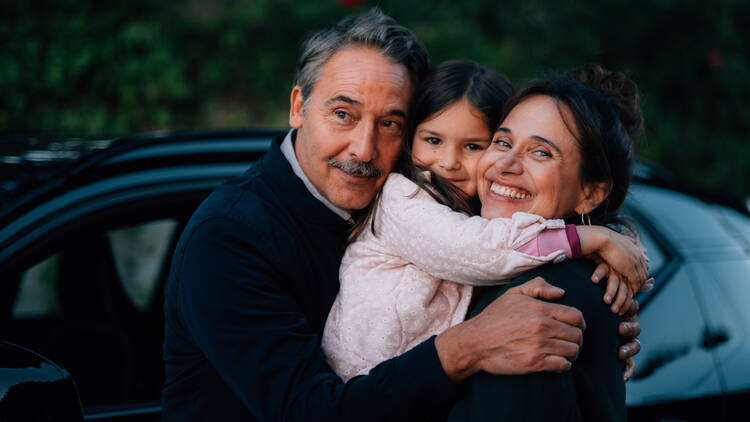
(625, 256)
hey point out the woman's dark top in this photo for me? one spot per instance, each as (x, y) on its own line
(593, 390)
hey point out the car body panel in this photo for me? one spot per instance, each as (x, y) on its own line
(33, 388)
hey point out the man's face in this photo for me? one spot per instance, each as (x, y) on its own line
(351, 131)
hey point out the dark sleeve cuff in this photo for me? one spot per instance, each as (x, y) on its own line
(574, 240)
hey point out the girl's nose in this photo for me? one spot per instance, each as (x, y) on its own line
(450, 161)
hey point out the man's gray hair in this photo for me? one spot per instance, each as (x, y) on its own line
(370, 29)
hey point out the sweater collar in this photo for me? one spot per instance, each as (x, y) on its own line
(292, 192)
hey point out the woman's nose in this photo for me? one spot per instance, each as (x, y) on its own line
(508, 163)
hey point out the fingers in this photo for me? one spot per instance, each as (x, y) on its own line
(565, 314)
(632, 312)
(629, 329)
(613, 282)
(629, 349)
(560, 331)
(621, 302)
(560, 356)
(600, 272)
(648, 285)
(629, 369)
(538, 288)
(554, 363)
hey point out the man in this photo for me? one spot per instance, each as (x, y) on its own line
(256, 270)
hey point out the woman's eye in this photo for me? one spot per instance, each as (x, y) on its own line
(432, 141)
(501, 143)
(542, 153)
(474, 147)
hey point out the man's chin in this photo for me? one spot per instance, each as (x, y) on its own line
(352, 199)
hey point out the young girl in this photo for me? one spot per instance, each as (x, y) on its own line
(411, 271)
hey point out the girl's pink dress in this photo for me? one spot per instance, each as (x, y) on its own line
(414, 277)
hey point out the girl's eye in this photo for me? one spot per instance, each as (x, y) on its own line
(474, 147)
(432, 141)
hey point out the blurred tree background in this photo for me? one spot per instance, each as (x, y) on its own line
(101, 69)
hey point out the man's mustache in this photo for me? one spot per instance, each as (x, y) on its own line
(356, 167)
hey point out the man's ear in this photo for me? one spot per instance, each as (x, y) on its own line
(593, 195)
(296, 102)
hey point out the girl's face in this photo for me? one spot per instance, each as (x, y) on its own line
(450, 143)
(533, 164)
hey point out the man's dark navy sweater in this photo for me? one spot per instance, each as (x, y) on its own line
(252, 280)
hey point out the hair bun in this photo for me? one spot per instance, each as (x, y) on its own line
(620, 89)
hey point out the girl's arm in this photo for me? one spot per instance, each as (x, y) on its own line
(452, 246)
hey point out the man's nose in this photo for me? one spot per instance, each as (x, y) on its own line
(363, 142)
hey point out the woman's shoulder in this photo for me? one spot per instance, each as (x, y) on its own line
(573, 276)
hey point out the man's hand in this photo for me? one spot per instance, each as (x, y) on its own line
(515, 334)
(630, 329)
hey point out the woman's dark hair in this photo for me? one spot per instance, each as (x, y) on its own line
(607, 120)
(445, 84)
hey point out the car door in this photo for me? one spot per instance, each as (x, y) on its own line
(676, 377)
(83, 281)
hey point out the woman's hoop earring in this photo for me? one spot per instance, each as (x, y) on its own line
(587, 221)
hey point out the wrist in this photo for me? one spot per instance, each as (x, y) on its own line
(591, 238)
(455, 352)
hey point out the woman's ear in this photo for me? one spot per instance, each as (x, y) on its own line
(593, 195)
(296, 104)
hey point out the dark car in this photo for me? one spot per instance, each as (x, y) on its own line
(85, 248)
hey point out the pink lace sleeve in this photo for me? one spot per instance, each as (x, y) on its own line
(452, 246)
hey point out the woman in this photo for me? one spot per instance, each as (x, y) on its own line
(565, 145)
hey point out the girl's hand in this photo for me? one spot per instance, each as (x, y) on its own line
(625, 255)
(618, 293)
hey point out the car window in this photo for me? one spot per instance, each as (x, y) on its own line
(139, 252)
(37, 295)
(94, 306)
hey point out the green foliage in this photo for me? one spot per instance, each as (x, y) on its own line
(87, 69)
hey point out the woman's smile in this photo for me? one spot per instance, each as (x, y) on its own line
(509, 192)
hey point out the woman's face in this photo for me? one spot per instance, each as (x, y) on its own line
(450, 144)
(532, 164)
